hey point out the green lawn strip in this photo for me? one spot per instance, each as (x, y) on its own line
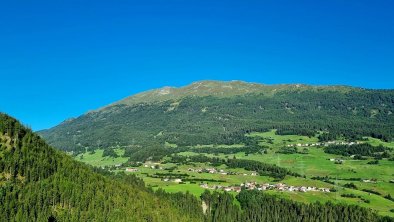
(377, 142)
(271, 139)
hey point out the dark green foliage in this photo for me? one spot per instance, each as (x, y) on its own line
(171, 175)
(154, 152)
(204, 159)
(288, 150)
(389, 197)
(220, 207)
(324, 137)
(372, 191)
(350, 195)
(257, 206)
(110, 153)
(343, 112)
(262, 168)
(224, 150)
(351, 186)
(296, 131)
(364, 149)
(276, 209)
(185, 202)
(373, 162)
(39, 183)
(359, 157)
(324, 179)
(251, 146)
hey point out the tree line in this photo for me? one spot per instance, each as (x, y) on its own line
(257, 206)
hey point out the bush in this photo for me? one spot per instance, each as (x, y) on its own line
(351, 186)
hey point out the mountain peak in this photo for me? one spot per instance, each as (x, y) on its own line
(217, 89)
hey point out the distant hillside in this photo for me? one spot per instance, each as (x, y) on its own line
(210, 112)
(39, 183)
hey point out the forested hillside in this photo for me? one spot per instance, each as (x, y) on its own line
(257, 206)
(39, 183)
(222, 112)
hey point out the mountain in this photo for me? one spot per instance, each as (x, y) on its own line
(214, 112)
(40, 183)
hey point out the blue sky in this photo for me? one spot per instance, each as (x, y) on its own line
(59, 59)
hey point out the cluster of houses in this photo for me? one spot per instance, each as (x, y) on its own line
(147, 165)
(323, 144)
(266, 186)
(131, 170)
(369, 181)
(216, 171)
(153, 165)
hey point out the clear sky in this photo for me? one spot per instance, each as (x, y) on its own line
(61, 58)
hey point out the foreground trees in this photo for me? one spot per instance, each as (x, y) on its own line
(37, 183)
(257, 206)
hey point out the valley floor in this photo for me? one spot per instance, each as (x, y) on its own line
(346, 180)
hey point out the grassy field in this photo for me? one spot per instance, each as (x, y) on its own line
(97, 159)
(377, 142)
(378, 203)
(314, 163)
(274, 141)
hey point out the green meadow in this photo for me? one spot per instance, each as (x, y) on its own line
(97, 159)
(314, 162)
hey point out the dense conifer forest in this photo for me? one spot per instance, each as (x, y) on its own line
(257, 206)
(38, 182)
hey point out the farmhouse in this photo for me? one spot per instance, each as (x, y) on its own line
(131, 170)
(177, 180)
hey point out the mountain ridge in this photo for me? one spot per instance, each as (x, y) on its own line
(168, 93)
(217, 88)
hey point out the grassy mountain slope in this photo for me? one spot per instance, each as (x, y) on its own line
(38, 182)
(217, 89)
(212, 112)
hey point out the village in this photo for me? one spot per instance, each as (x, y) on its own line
(266, 186)
(323, 144)
(157, 166)
(217, 171)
